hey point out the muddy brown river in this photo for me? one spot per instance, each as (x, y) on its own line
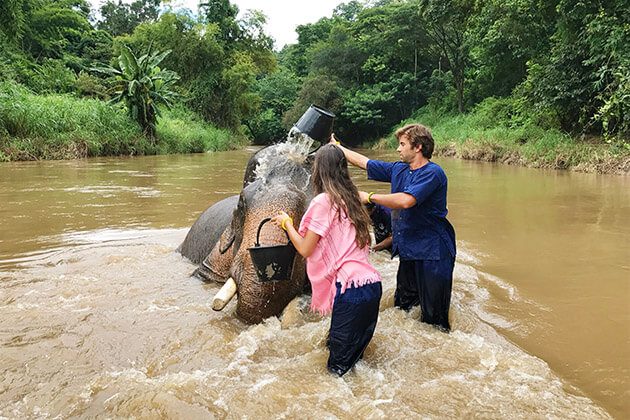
(100, 319)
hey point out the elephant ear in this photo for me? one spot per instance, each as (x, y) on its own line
(234, 232)
(250, 171)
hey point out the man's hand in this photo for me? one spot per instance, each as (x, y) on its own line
(354, 158)
(378, 247)
(384, 244)
(363, 196)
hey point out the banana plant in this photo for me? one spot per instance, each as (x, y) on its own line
(143, 86)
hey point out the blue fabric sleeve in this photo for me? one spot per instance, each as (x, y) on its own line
(423, 185)
(378, 170)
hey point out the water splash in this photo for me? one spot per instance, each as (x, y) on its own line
(286, 158)
(144, 346)
(302, 140)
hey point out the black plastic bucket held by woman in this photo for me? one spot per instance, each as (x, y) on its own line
(272, 263)
(317, 123)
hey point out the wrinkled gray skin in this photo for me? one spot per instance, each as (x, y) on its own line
(207, 230)
(280, 183)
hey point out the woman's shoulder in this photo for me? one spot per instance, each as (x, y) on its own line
(321, 198)
(322, 203)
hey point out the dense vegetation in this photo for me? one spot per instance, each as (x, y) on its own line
(537, 82)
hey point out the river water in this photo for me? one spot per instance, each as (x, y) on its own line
(99, 317)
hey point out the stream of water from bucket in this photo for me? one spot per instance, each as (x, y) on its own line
(295, 149)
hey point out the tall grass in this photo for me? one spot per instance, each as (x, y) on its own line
(492, 132)
(63, 127)
(182, 131)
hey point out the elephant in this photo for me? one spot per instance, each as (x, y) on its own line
(206, 231)
(276, 178)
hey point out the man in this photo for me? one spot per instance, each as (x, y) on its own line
(423, 238)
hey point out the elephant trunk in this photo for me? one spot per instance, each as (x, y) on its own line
(258, 300)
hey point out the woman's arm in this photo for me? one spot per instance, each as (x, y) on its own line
(305, 245)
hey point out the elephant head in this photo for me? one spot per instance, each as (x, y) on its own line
(278, 181)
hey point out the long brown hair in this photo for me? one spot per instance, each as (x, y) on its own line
(330, 175)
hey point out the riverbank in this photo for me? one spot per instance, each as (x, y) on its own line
(42, 127)
(484, 135)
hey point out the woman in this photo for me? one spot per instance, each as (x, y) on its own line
(334, 238)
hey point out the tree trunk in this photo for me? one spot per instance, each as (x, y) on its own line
(459, 90)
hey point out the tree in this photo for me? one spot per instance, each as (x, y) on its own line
(12, 19)
(143, 86)
(320, 90)
(348, 11)
(194, 47)
(216, 80)
(339, 47)
(122, 18)
(582, 78)
(53, 27)
(398, 62)
(223, 14)
(505, 35)
(278, 92)
(294, 56)
(447, 22)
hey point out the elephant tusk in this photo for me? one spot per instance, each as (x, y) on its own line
(224, 295)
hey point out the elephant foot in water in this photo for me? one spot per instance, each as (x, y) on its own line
(298, 313)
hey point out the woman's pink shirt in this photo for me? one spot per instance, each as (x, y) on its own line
(337, 258)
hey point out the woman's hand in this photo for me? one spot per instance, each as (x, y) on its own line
(334, 140)
(280, 218)
(305, 245)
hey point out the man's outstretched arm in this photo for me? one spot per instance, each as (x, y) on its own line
(356, 159)
(398, 200)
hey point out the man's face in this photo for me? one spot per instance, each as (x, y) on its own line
(406, 151)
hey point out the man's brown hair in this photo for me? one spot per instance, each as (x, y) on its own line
(418, 134)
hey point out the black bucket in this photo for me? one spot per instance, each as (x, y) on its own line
(272, 263)
(317, 123)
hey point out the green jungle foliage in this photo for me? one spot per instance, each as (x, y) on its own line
(142, 86)
(58, 126)
(491, 132)
(534, 69)
(118, 18)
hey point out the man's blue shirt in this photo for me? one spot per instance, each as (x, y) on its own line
(418, 230)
